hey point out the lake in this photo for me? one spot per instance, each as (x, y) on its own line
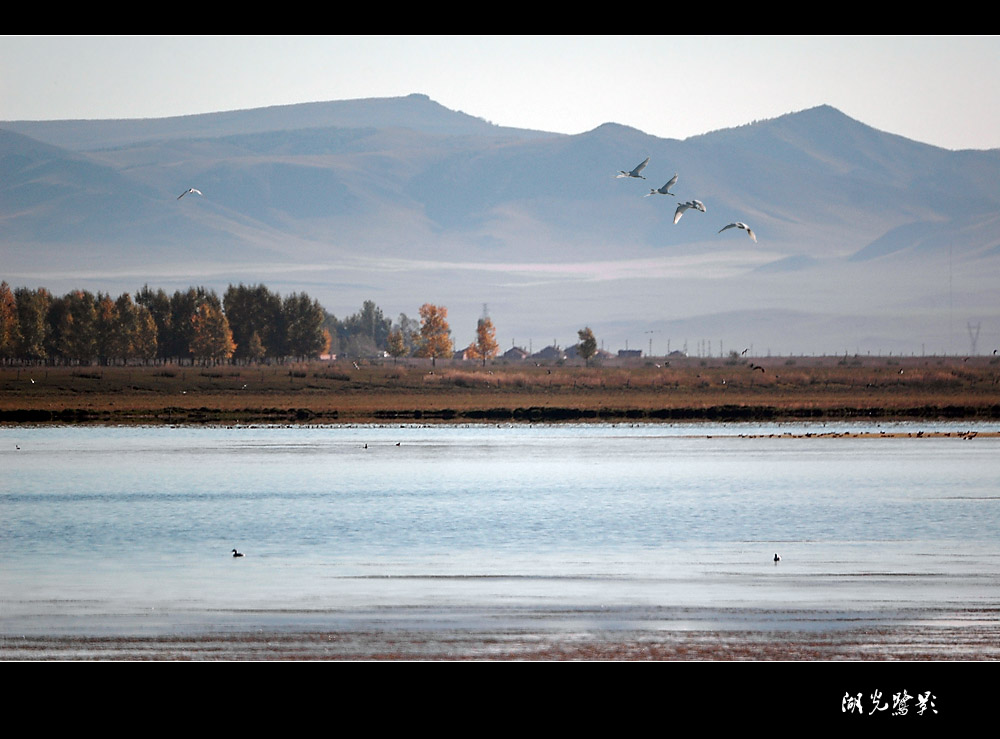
(558, 528)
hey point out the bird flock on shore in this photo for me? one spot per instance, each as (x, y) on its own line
(681, 207)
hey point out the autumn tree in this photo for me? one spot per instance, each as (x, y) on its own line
(211, 338)
(409, 329)
(587, 347)
(158, 306)
(106, 333)
(10, 333)
(123, 335)
(145, 341)
(435, 333)
(397, 345)
(183, 307)
(254, 310)
(485, 346)
(32, 315)
(72, 327)
(256, 350)
(134, 333)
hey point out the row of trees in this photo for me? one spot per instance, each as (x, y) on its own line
(369, 332)
(248, 324)
(433, 337)
(78, 327)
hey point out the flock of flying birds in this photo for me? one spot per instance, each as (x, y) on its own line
(681, 207)
(665, 190)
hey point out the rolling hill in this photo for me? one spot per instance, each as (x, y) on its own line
(867, 242)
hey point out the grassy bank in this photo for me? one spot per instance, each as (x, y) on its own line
(648, 390)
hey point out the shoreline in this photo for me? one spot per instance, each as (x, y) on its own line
(913, 643)
(966, 434)
(307, 416)
(608, 634)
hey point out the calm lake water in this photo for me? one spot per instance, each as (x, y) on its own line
(131, 529)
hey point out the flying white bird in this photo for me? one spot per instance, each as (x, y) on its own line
(665, 190)
(740, 224)
(681, 207)
(635, 172)
(190, 189)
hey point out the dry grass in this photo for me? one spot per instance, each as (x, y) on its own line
(338, 391)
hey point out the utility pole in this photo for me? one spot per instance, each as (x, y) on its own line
(651, 332)
(973, 334)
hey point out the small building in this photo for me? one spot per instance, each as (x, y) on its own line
(548, 354)
(630, 353)
(515, 353)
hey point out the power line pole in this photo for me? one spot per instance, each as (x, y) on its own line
(973, 334)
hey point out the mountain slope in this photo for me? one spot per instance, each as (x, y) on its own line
(403, 201)
(417, 112)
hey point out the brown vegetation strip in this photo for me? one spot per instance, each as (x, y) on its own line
(339, 392)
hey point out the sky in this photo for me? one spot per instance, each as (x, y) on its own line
(940, 90)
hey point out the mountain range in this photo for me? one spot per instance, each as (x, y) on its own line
(867, 242)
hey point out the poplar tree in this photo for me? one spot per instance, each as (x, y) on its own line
(255, 349)
(10, 333)
(211, 339)
(435, 333)
(32, 313)
(254, 310)
(303, 326)
(587, 347)
(73, 322)
(397, 345)
(107, 333)
(158, 305)
(485, 346)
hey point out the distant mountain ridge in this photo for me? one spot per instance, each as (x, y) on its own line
(414, 111)
(403, 201)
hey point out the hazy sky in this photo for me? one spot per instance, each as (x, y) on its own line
(941, 90)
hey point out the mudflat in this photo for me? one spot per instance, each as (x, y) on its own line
(889, 645)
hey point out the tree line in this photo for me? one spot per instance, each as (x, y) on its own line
(247, 324)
